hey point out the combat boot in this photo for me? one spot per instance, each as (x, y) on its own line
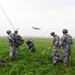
(65, 65)
(15, 58)
(10, 59)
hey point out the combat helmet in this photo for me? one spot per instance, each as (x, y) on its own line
(8, 32)
(52, 33)
(65, 31)
(15, 31)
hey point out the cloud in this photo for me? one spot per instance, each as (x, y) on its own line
(50, 15)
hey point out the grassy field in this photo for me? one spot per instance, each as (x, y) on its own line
(27, 63)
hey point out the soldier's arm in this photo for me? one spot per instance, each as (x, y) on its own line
(11, 41)
(62, 41)
(57, 42)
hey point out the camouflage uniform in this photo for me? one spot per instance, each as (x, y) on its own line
(13, 47)
(66, 42)
(55, 56)
(30, 44)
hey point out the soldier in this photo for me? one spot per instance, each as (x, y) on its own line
(13, 48)
(55, 56)
(66, 42)
(30, 44)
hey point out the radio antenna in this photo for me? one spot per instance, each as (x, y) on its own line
(7, 17)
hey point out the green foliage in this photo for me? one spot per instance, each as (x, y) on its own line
(30, 63)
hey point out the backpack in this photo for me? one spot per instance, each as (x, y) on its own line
(69, 39)
(18, 40)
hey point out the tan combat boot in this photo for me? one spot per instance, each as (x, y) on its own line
(65, 65)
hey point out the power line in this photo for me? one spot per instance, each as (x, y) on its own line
(7, 17)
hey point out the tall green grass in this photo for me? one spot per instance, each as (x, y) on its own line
(27, 63)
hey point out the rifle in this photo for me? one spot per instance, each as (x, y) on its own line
(4, 64)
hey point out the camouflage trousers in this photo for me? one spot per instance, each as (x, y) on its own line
(55, 56)
(13, 51)
(67, 54)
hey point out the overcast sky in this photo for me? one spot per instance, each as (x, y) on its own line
(49, 15)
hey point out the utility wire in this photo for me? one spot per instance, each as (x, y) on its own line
(7, 17)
